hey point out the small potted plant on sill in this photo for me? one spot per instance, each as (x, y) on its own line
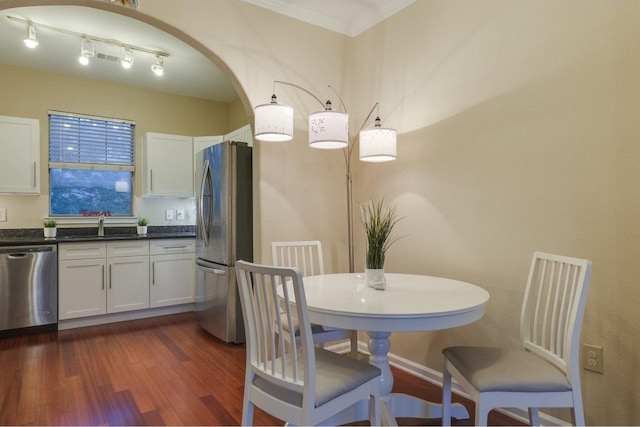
(50, 227)
(378, 221)
(142, 226)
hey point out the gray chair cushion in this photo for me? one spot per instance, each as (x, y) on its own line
(315, 328)
(335, 375)
(499, 369)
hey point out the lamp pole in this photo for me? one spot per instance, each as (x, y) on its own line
(347, 161)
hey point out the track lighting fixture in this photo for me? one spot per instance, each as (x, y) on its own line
(87, 51)
(158, 67)
(31, 41)
(91, 46)
(127, 60)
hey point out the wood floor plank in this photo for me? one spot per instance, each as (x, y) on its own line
(10, 382)
(159, 371)
(224, 414)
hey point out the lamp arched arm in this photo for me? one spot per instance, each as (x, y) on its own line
(298, 87)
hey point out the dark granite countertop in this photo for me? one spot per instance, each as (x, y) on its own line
(35, 236)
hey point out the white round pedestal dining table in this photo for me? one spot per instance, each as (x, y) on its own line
(410, 303)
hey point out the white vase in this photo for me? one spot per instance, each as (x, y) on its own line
(375, 278)
(142, 230)
(50, 231)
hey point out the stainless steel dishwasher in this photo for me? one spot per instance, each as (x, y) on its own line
(28, 286)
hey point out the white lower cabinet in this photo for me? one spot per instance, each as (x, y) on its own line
(127, 283)
(81, 288)
(172, 272)
(101, 278)
(97, 278)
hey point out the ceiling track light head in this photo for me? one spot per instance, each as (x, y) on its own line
(31, 41)
(158, 67)
(127, 60)
(87, 51)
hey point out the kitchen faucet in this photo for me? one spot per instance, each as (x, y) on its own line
(101, 226)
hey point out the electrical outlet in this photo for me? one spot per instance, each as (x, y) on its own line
(180, 214)
(168, 214)
(3, 214)
(592, 358)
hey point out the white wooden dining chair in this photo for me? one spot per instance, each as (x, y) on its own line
(545, 371)
(294, 380)
(306, 255)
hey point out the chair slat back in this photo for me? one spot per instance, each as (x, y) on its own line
(304, 255)
(270, 352)
(553, 309)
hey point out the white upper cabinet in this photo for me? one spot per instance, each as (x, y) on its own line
(168, 165)
(19, 155)
(243, 134)
(169, 160)
(202, 142)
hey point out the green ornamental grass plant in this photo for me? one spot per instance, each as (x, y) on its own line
(378, 221)
(142, 221)
(49, 223)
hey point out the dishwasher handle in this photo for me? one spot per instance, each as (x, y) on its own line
(17, 255)
(23, 251)
(210, 267)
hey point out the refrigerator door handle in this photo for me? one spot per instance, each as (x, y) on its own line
(209, 267)
(205, 223)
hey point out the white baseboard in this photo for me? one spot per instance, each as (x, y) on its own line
(435, 377)
(124, 316)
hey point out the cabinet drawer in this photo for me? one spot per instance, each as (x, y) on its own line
(85, 250)
(127, 248)
(172, 246)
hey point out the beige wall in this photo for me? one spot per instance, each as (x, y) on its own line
(237, 115)
(518, 132)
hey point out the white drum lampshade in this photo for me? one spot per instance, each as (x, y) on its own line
(273, 122)
(328, 129)
(378, 144)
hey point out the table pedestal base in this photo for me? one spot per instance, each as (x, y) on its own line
(404, 405)
(392, 404)
(399, 405)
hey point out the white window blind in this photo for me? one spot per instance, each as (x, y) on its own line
(86, 142)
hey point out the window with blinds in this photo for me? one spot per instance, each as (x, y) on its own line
(91, 165)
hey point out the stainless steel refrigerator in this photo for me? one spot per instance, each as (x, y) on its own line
(224, 234)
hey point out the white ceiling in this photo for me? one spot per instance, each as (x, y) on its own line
(350, 17)
(187, 71)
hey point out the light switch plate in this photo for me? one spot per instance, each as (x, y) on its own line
(3, 214)
(168, 214)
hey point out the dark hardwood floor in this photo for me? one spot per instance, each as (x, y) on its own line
(159, 371)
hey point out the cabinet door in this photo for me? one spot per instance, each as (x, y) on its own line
(81, 288)
(128, 283)
(168, 165)
(172, 279)
(19, 155)
(202, 142)
(243, 134)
